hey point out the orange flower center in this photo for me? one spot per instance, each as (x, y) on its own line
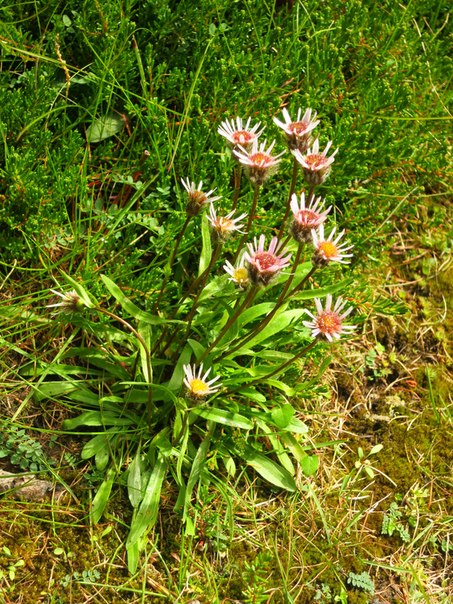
(260, 159)
(198, 387)
(328, 248)
(265, 260)
(329, 322)
(298, 128)
(307, 216)
(198, 197)
(315, 161)
(242, 137)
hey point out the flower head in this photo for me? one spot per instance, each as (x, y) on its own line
(306, 218)
(196, 197)
(298, 133)
(258, 161)
(328, 322)
(316, 165)
(196, 383)
(225, 225)
(238, 274)
(239, 133)
(264, 265)
(70, 301)
(329, 250)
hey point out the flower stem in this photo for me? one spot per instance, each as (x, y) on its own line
(249, 222)
(302, 283)
(291, 191)
(267, 319)
(237, 186)
(246, 302)
(170, 263)
(132, 329)
(284, 365)
(202, 282)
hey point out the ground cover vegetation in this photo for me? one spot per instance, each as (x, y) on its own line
(206, 406)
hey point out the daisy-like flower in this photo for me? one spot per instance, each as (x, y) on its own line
(70, 302)
(225, 225)
(258, 161)
(197, 384)
(238, 274)
(264, 265)
(329, 250)
(298, 133)
(316, 165)
(306, 218)
(239, 133)
(328, 322)
(196, 197)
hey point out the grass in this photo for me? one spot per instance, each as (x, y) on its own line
(86, 89)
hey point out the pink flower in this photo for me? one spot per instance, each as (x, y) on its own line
(264, 265)
(329, 250)
(239, 133)
(316, 165)
(224, 225)
(329, 322)
(306, 218)
(196, 197)
(298, 133)
(196, 384)
(258, 162)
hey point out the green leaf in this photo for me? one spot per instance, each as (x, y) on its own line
(147, 512)
(129, 306)
(322, 292)
(102, 496)
(309, 464)
(269, 470)
(226, 418)
(104, 127)
(144, 329)
(282, 415)
(206, 250)
(95, 445)
(134, 481)
(96, 418)
(278, 323)
(197, 467)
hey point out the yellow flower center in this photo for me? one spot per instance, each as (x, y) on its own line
(241, 275)
(198, 387)
(328, 248)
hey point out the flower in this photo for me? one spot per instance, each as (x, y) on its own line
(258, 162)
(328, 250)
(224, 225)
(239, 133)
(316, 165)
(329, 322)
(238, 274)
(196, 197)
(298, 133)
(262, 265)
(306, 218)
(196, 384)
(71, 301)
